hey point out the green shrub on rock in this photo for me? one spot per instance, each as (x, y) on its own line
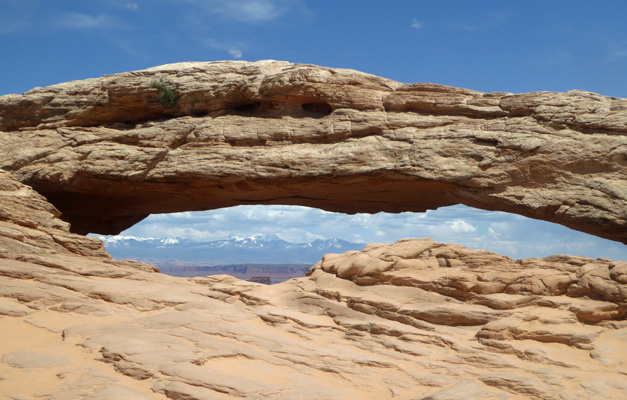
(167, 94)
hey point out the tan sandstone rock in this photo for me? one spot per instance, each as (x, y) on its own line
(107, 153)
(413, 320)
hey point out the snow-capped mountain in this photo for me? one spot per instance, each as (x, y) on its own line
(256, 241)
(259, 249)
(128, 241)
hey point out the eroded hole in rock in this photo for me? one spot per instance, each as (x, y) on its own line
(198, 114)
(257, 108)
(273, 243)
(317, 108)
(247, 109)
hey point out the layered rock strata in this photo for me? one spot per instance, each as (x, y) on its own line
(413, 320)
(107, 152)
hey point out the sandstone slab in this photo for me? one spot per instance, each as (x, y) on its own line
(415, 319)
(107, 153)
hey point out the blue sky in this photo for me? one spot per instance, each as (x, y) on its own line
(508, 46)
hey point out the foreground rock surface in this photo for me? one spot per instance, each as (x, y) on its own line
(413, 320)
(107, 153)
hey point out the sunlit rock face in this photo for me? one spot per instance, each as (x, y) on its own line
(107, 152)
(416, 319)
(413, 320)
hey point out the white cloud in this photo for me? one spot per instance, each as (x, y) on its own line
(85, 21)
(491, 20)
(356, 238)
(249, 10)
(309, 237)
(7, 27)
(362, 220)
(461, 226)
(415, 24)
(618, 54)
(508, 234)
(18, 15)
(253, 10)
(235, 52)
(132, 6)
(617, 51)
(500, 229)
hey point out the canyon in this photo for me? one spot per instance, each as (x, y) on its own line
(416, 319)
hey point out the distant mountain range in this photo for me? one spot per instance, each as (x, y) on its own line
(256, 249)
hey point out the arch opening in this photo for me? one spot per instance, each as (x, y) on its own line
(281, 242)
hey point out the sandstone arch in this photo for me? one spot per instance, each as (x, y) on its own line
(107, 153)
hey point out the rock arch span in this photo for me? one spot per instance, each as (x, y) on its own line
(107, 153)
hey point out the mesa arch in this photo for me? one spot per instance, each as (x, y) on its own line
(107, 153)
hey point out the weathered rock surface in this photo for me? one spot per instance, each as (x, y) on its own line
(107, 153)
(413, 320)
